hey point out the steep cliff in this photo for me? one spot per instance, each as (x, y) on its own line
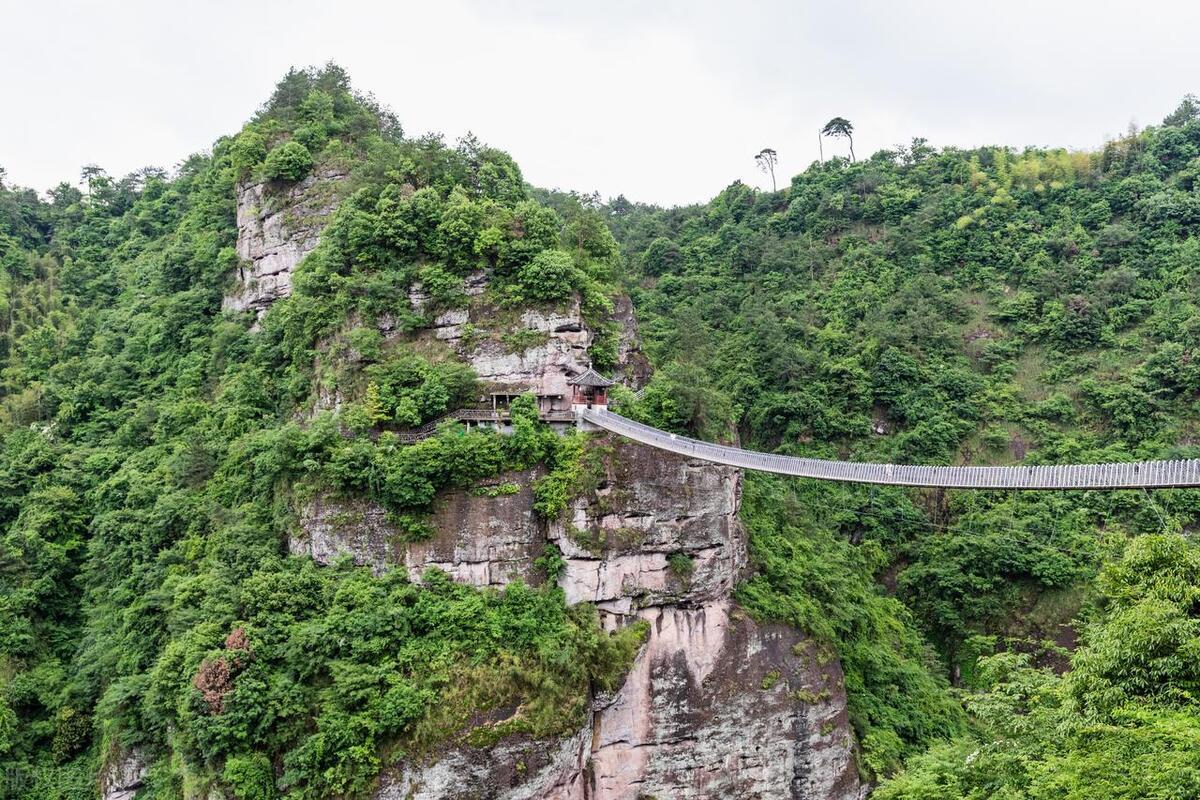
(655, 530)
(277, 228)
(715, 705)
(535, 350)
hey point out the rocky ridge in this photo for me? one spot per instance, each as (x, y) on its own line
(277, 228)
(715, 705)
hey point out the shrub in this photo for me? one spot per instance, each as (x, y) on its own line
(661, 256)
(248, 151)
(550, 276)
(605, 349)
(681, 564)
(288, 162)
(251, 777)
(445, 288)
(551, 563)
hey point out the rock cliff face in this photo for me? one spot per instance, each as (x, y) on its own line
(276, 230)
(123, 776)
(715, 707)
(481, 540)
(555, 347)
(632, 365)
(715, 704)
(719, 707)
(536, 351)
(656, 530)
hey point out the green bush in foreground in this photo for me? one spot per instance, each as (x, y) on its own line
(289, 162)
(1124, 723)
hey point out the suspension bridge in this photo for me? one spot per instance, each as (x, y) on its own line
(1179, 473)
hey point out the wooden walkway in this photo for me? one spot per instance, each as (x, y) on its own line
(1127, 475)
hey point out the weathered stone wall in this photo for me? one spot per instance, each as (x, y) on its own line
(714, 706)
(633, 367)
(277, 228)
(123, 775)
(542, 367)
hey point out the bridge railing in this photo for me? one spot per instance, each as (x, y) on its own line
(1125, 475)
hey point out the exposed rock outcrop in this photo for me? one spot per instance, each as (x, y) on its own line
(276, 230)
(715, 704)
(482, 540)
(632, 365)
(123, 776)
(536, 351)
(517, 768)
(656, 529)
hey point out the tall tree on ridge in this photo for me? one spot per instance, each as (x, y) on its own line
(838, 127)
(767, 159)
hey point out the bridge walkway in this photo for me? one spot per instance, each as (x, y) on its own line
(1125, 475)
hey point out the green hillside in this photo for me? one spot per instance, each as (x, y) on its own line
(925, 306)
(152, 463)
(962, 307)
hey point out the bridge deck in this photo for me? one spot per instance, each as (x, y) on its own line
(1127, 475)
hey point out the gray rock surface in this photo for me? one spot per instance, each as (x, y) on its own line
(617, 540)
(544, 367)
(633, 367)
(481, 540)
(123, 776)
(715, 705)
(276, 230)
(718, 706)
(647, 510)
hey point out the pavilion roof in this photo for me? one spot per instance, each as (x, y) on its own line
(590, 378)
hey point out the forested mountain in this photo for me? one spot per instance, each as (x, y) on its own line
(153, 454)
(173, 405)
(963, 307)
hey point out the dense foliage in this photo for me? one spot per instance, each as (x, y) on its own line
(1122, 723)
(156, 452)
(983, 306)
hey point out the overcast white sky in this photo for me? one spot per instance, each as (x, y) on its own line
(665, 102)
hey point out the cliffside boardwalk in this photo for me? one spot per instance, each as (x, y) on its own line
(1128, 475)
